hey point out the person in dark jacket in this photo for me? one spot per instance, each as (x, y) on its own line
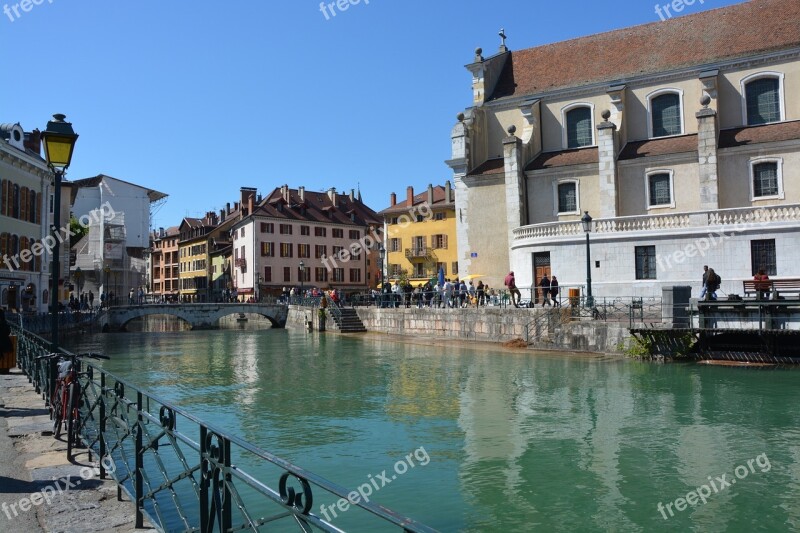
(5, 334)
(544, 283)
(554, 290)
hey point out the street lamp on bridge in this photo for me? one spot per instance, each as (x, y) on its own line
(302, 276)
(59, 142)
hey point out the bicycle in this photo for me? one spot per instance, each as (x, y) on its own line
(65, 400)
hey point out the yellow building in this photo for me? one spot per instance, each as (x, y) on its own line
(421, 235)
(195, 258)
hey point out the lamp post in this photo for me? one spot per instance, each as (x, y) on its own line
(302, 276)
(255, 289)
(586, 220)
(381, 257)
(106, 271)
(59, 141)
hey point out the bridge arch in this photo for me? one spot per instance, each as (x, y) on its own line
(198, 316)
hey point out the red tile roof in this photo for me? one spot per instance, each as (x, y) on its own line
(489, 167)
(422, 198)
(663, 146)
(565, 158)
(703, 38)
(317, 207)
(780, 131)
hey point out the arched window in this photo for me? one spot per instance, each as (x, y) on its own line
(4, 200)
(762, 99)
(45, 297)
(13, 246)
(33, 208)
(766, 178)
(23, 204)
(665, 114)
(579, 131)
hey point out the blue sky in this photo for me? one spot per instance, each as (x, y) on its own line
(197, 99)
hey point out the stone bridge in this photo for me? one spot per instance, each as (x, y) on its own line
(198, 316)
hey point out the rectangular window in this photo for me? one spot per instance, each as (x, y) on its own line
(765, 179)
(442, 267)
(287, 249)
(439, 241)
(440, 216)
(455, 268)
(645, 262)
(762, 255)
(338, 275)
(336, 250)
(267, 227)
(320, 274)
(665, 111)
(660, 193)
(305, 230)
(579, 127)
(287, 274)
(393, 221)
(338, 233)
(320, 232)
(355, 234)
(763, 101)
(241, 233)
(267, 274)
(267, 249)
(395, 245)
(419, 270)
(355, 275)
(320, 251)
(304, 251)
(286, 229)
(567, 198)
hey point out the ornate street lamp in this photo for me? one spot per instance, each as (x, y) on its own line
(586, 220)
(258, 283)
(381, 257)
(59, 141)
(302, 276)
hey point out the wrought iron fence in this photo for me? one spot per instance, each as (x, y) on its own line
(186, 475)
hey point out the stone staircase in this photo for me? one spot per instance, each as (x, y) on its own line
(347, 321)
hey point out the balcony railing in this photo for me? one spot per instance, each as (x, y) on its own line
(741, 218)
(422, 251)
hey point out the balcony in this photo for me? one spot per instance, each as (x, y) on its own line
(737, 220)
(422, 252)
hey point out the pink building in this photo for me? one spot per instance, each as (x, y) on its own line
(295, 237)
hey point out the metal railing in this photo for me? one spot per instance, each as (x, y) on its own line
(186, 475)
(40, 322)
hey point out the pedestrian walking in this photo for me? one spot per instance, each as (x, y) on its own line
(713, 282)
(511, 283)
(481, 294)
(544, 283)
(704, 289)
(554, 290)
(91, 300)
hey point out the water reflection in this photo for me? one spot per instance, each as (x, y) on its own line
(517, 441)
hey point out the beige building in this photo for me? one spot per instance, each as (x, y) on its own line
(668, 134)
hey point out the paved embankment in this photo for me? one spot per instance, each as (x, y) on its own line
(39, 489)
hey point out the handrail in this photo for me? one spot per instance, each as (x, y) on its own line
(202, 488)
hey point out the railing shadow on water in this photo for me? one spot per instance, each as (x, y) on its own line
(186, 475)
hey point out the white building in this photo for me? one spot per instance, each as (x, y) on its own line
(111, 257)
(680, 138)
(25, 190)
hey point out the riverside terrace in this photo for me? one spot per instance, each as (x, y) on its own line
(194, 478)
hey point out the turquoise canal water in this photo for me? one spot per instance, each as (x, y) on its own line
(515, 441)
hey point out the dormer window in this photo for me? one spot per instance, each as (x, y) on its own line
(578, 126)
(762, 98)
(665, 113)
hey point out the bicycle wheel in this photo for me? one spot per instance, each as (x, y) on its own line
(73, 420)
(57, 412)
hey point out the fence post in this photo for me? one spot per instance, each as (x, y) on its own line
(139, 481)
(102, 429)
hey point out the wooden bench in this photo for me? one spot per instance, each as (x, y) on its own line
(775, 287)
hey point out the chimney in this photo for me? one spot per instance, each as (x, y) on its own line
(410, 196)
(430, 195)
(301, 192)
(235, 206)
(352, 195)
(285, 192)
(33, 141)
(250, 200)
(222, 215)
(161, 233)
(448, 193)
(332, 195)
(228, 208)
(393, 199)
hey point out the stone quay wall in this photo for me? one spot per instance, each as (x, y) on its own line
(490, 324)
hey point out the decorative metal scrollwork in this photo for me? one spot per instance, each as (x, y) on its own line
(302, 501)
(167, 418)
(215, 445)
(119, 389)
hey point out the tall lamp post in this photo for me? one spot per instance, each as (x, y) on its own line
(381, 257)
(586, 220)
(302, 276)
(59, 141)
(255, 289)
